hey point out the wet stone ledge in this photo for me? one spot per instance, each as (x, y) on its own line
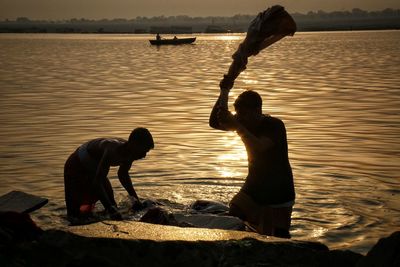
(128, 243)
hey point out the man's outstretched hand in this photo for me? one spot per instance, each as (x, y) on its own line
(114, 214)
(136, 203)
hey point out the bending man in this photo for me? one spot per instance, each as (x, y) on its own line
(86, 170)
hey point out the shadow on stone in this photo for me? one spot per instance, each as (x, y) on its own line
(59, 248)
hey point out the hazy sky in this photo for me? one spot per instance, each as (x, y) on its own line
(98, 9)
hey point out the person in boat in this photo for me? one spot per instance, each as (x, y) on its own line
(86, 170)
(158, 37)
(266, 198)
(175, 38)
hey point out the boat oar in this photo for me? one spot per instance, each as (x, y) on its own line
(267, 28)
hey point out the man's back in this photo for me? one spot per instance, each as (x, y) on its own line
(270, 178)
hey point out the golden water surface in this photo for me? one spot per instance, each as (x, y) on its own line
(337, 92)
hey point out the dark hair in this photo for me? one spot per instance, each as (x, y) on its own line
(248, 99)
(141, 135)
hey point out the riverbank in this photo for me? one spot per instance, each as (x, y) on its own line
(128, 243)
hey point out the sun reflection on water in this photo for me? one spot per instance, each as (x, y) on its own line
(227, 172)
(248, 79)
(228, 37)
(347, 193)
(237, 150)
(235, 153)
(318, 232)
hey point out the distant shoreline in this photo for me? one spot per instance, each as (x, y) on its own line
(70, 30)
(354, 20)
(193, 33)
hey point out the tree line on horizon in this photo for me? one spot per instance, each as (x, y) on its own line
(355, 13)
(313, 20)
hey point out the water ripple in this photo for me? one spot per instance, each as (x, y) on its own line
(338, 93)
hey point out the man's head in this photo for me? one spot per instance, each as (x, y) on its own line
(248, 106)
(140, 142)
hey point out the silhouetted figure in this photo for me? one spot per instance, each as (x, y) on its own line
(265, 200)
(158, 37)
(86, 170)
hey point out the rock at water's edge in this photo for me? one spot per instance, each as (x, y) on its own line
(61, 248)
(385, 253)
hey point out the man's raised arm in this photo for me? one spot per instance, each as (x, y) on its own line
(221, 104)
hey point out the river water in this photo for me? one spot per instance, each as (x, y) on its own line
(337, 92)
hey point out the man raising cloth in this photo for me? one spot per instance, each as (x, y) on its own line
(266, 199)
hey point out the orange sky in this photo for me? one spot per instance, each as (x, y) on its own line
(98, 9)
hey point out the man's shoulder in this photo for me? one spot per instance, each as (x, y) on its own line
(272, 120)
(271, 123)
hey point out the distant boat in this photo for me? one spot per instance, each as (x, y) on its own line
(174, 41)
